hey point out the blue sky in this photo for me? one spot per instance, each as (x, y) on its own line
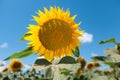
(100, 19)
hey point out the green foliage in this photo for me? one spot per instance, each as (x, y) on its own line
(111, 40)
(111, 64)
(65, 71)
(100, 58)
(117, 64)
(41, 62)
(21, 54)
(76, 52)
(82, 77)
(67, 60)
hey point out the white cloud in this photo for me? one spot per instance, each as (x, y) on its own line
(86, 38)
(40, 57)
(94, 54)
(4, 45)
(26, 66)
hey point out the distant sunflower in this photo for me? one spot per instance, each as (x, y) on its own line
(5, 69)
(82, 61)
(90, 65)
(15, 65)
(80, 71)
(96, 64)
(55, 35)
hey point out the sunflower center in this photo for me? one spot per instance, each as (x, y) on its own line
(16, 65)
(55, 34)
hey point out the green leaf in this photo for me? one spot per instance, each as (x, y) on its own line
(21, 54)
(65, 71)
(42, 62)
(111, 64)
(67, 60)
(99, 58)
(112, 40)
(76, 52)
(23, 38)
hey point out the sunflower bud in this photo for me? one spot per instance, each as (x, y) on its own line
(82, 61)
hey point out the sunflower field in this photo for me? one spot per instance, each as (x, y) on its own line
(55, 38)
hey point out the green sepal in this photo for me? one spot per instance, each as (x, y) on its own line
(76, 52)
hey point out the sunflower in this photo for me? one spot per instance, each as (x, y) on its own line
(90, 65)
(80, 71)
(5, 69)
(82, 61)
(96, 64)
(55, 35)
(15, 65)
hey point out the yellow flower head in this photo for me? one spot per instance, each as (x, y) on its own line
(15, 65)
(82, 61)
(4, 69)
(55, 35)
